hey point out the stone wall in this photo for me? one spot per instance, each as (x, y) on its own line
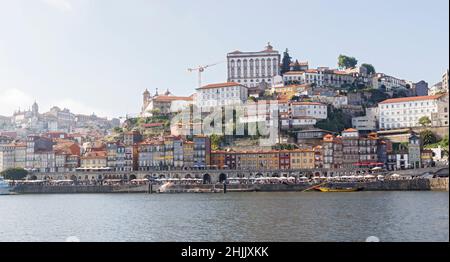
(439, 184)
(388, 185)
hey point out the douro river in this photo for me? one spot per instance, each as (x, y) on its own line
(387, 216)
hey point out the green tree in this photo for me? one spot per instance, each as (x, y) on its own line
(295, 98)
(428, 137)
(377, 96)
(216, 140)
(424, 121)
(347, 61)
(398, 93)
(14, 173)
(118, 130)
(370, 68)
(336, 121)
(155, 111)
(252, 98)
(286, 62)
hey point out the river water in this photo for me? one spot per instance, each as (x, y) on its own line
(389, 216)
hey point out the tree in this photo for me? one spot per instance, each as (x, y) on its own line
(252, 98)
(216, 140)
(14, 173)
(155, 111)
(370, 68)
(286, 62)
(336, 121)
(347, 61)
(428, 137)
(295, 98)
(378, 96)
(398, 93)
(118, 130)
(424, 121)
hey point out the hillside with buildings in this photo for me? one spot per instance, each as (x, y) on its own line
(326, 117)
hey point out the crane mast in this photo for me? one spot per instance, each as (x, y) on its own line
(200, 70)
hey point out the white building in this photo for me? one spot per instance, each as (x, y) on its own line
(301, 114)
(445, 81)
(251, 68)
(221, 94)
(368, 122)
(389, 83)
(294, 77)
(309, 109)
(314, 76)
(406, 111)
(164, 103)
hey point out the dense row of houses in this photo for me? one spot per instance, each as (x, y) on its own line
(134, 153)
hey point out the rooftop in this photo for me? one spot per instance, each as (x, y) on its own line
(410, 99)
(219, 85)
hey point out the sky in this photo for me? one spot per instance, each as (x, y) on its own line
(98, 56)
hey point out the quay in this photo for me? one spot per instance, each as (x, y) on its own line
(212, 176)
(419, 184)
(206, 181)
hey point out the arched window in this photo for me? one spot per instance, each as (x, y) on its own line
(245, 67)
(251, 68)
(238, 68)
(232, 68)
(275, 66)
(257, 67)
(263, 67)
(269, 68)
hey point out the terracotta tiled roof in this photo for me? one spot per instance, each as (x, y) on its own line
(409, 99)
(172, 98)
(219, 85)
(95, 154)
(350, 130)
(294, 73)
(308, 103)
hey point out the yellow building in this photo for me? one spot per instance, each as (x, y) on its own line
(95, 159)
(257, 160)
(302, 159)
(188, 154)
(290, 90)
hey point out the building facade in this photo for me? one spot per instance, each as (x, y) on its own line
(406, 111)
(251, 68)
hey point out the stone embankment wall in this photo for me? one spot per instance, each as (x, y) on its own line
(439, 184)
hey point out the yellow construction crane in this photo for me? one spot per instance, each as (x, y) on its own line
(201, 69)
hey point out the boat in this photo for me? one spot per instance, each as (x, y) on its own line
(339, 189)
(5, 188)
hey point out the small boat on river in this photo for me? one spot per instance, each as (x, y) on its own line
(339, 189)
(5, 188)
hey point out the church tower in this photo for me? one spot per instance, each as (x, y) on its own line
(35, 109)
(146, 99)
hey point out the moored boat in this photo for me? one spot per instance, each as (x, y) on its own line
(5, 188)
(339, 189)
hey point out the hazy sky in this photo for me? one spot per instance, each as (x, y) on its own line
(99, 55)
